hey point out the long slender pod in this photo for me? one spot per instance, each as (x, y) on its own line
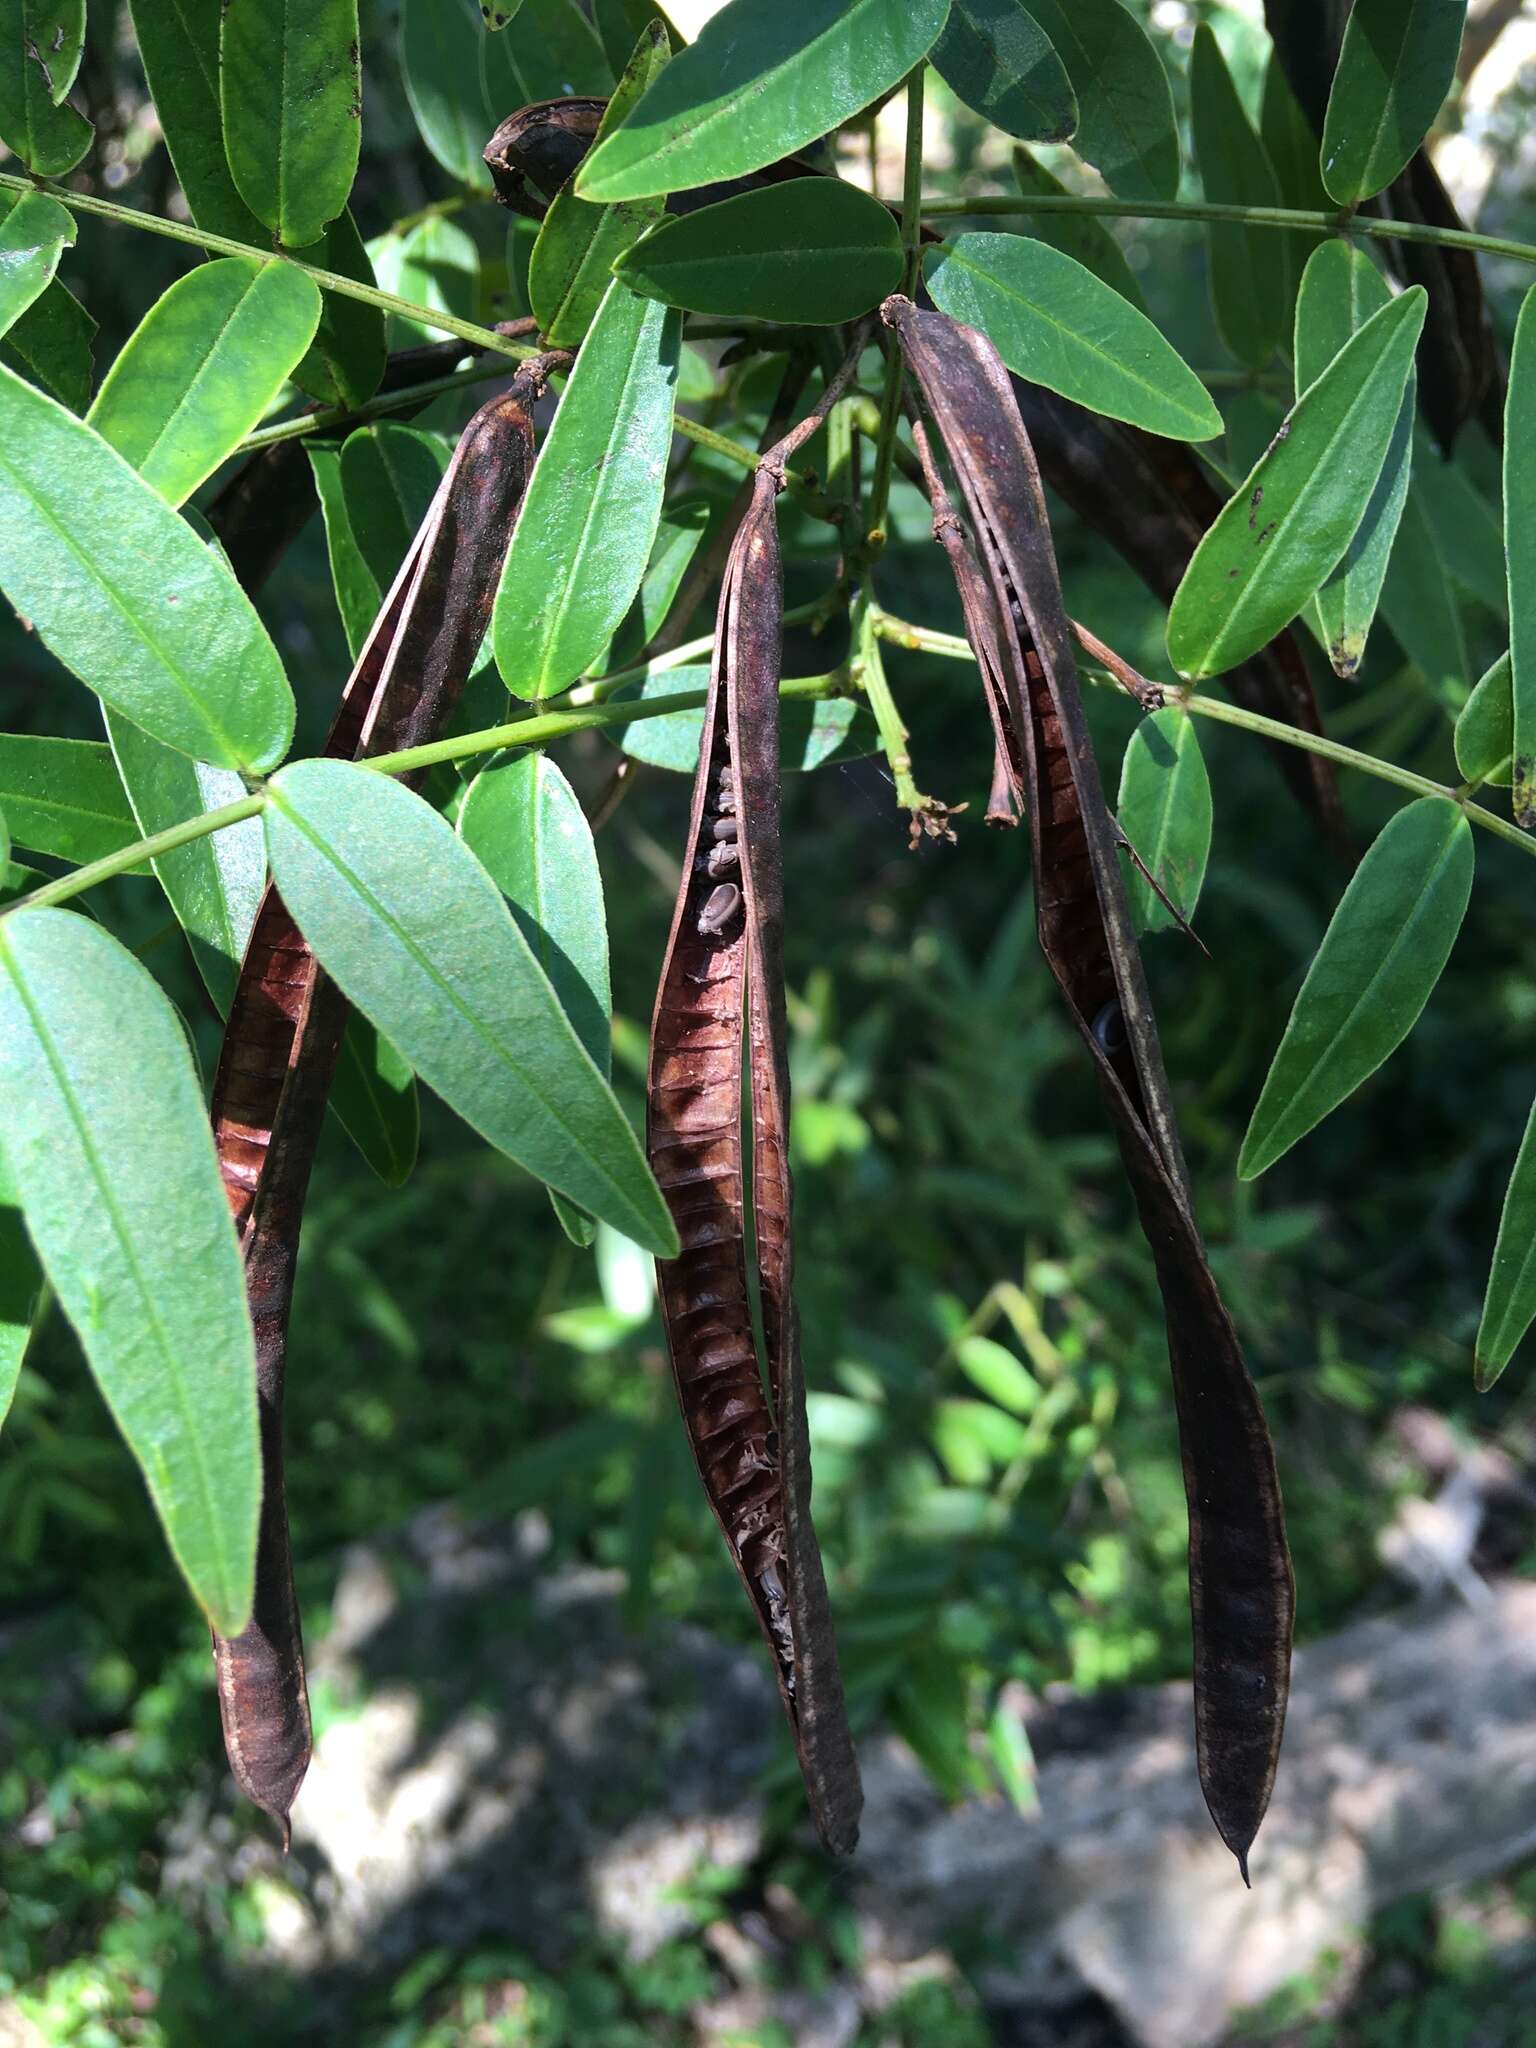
(1241, 1590)
(284, 1032)
(722, 980)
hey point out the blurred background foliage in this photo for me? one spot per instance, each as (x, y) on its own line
(997, 1477)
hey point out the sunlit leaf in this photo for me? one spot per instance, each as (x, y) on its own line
(684, 523)
(1082, 236)
(290, 97)
(1165, 812)
(1396, 65)
(107, 1141)
(433, 264)
(50, 138)
(49, 342)
(64, 797)
(33, 235)
(1376, 968)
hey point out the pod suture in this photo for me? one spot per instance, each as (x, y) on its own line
(722, 983)
(1241, 1591)
(284, 1032)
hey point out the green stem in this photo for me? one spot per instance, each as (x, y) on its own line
(1342, 222)
(126, 857)
(325, 417)
(869, 676)
(911, 240)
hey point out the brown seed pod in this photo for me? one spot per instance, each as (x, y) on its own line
(723, 978)
(284, 1032)
(1241, 1591)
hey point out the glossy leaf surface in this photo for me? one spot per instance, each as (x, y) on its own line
(1165, 812)
(1057, 324)
(48, 137)
(1283, 531)
(418, 937)
(290, 97)
(1125, 121)
(1248, 287)
(33, 235)
(758, 84)
(1376, 968)
(1396, 65)
(995, 56)
(107, 1141)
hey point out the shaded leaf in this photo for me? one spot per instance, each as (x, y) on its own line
(1165, 812)
(419, 938)
(373, 1094)
(127, 596)
(811, 250)
(50, 138)
(440, 64)
(1057, 324)
(290, 98)
(1082, 236)
(1520, 553)
(995, 56)
(50, 343)
(1277, 537)
(1376, 968)
(684, 522)
(1396, 65)
(433, 264)
(1485, 731)
(1468, 535)
(1290, 143)
(33, 235)
(388, 476)
(555, 54)
(758, 84)
(202, 367)
(811, 732)
(1125, 123)
(1509, 1305)
(619, 22)
(107, 1141)
(1248, 287)
(584, 534)
(1419, 603)
(64, 797)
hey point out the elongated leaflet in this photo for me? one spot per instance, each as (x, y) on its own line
(1241, 1590)
(723, 972)
(285, 1026)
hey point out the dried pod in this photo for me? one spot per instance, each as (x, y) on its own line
(722, 976)
(1241, 1590)
(284, 1032)
(540, 146)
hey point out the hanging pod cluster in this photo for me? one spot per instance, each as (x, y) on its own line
(1241, 1590)
(285, 1026)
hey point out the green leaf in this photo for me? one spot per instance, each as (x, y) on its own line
(1125, 122)
(290, 99)
(996, 57)
(33, 235)
(812, 732)
(1509, 1306)
(811, 250)
(619, 22)
(434, 264)
(1057, 324)
(50, 343)
(1485, 731)
(992, 1368)
(1277, 537)
(554, 55)
(1290, 143)
(1396, 65)
(1248, 287)
(1165, 812)
(389, 475)
(1520, 552)
(21, 1289)
(1420, 605)
(584, 534)
(127, 596)
(1340, 289)
(683, 526)
(373, 1096)
(212, 884)
(1082, 236)
(107, 1140)
(65, 45)
(49, 138)
(440, 62)
(202, 367)
(357, 591)
(1468, 535)
(1379, 961)
(759, 83)
(418, 937)
(64, 798)
(579, 243)
(346, 364)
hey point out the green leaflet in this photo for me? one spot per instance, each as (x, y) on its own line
(418, 937)
(759, 83)
(33, 235)
(578, 243)
(21, 1289)
(1057, 324)
(812, 732)
(49, 138)
(1165, 812)
(434, 264)
(290, 100)
(523, 822)
(373, 1095)
(1082, 236)
(1291, 146)
(683, 526)
(1125, 122)
(584, 534)
(1396, 65)
(619, 22)
(64, 797)
(995, 56)
(440, 63)
(812, 251)
(50, 344)
(1248, 286)
(1277, 537)
(1340, 289)
(107, 1140)
(202, 367)
(1419, 603)
(357, 592)
(555, 53)
(1520, 552)
(1379, 961)
(1509, 1306)
(1485, 731)
(127, 596)
(374, 493)
(1468, 536)
(178, 41)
